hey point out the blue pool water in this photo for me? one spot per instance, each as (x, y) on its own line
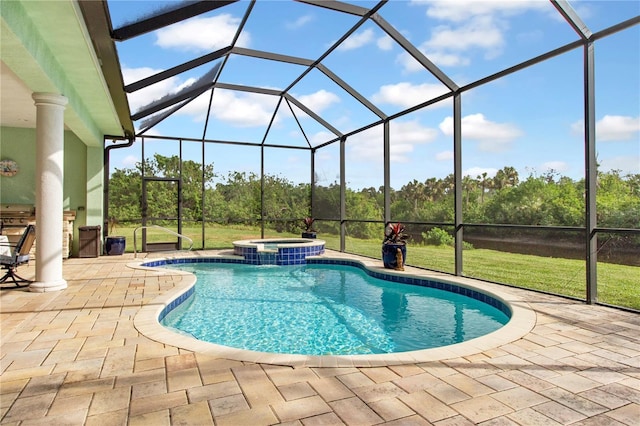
(319, 309)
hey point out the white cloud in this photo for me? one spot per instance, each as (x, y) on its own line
(584, 10)
(444, 156)
(470, 25)
(130, 161)
(385, 43)
(556, 166)
(491, 136)
(408, 63)
(577, 128)
(612, 128)
(460, 10)
(201, 34)
(357, 40)
(481, 32)
(188, 82)
(324, 155)
(131, 75)
(474, 172)
(238, 109)
(321, 137)
(318, 101)
(151, 132)
(295, 160)
(151, 93)
(408, 95)
(628, 164)
(617, 128)
(440, 59)
(299, 23)
(411, 132)
(367, 146)
(448, 59)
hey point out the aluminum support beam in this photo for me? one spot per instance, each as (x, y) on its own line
(262, 213)
(164, 19)
(241, 88)
(171, 72)
(457, 175)
(413, 51)
(295, 117)
(313, 115)
(343, 194)
(386, 149)
(153, 121)
(271, 121)
(338, 6)
(171, 101)
(591, 173)
(353, 92)
(366, 13)
(312, 154)
(570, 15)
(272, 56)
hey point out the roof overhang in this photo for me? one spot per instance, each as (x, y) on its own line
(47, 47)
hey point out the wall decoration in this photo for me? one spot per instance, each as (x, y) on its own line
(8, 168)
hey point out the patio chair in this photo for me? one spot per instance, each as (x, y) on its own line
(19, 256)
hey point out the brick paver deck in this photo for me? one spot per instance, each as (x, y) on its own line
(75, 357)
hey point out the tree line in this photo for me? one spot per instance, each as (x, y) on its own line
(547, 199)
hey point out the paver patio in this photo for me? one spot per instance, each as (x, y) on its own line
(75, 357)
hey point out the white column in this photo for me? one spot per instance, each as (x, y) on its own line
(49, 191)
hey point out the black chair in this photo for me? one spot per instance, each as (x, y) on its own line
(19, 256)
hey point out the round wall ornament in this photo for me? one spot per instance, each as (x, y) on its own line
(8, 168)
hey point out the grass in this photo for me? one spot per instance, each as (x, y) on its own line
(618, 285)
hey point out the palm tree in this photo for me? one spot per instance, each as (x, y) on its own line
(484, 185)
(468, 185)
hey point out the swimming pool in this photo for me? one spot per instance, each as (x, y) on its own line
(323, 309)
(147, 320)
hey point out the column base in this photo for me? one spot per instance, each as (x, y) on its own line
(48, 286)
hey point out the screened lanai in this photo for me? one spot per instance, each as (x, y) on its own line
(503, 135)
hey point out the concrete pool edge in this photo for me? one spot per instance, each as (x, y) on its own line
(146, 321)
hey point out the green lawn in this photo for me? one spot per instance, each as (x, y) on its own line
(617, 284)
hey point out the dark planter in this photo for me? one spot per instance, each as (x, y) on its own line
(115, 245)
(389, 251)
(308, 235)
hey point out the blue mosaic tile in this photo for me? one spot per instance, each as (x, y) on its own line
(483, 297)
(175, 303)
(291, 259)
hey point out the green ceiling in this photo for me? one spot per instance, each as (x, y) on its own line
(47, 45)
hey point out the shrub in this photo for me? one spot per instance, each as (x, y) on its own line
(440, 237)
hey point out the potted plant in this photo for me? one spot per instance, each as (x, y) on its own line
(308, 232)
(114, 245)
(394, 246)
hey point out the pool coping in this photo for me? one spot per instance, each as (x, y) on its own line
(146, 321)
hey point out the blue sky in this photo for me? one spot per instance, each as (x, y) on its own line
(530, 120)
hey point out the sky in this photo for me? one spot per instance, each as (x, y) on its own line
(531, 120)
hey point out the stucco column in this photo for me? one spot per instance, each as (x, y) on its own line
(49, 191)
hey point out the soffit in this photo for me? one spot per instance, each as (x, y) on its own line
(46, 48)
